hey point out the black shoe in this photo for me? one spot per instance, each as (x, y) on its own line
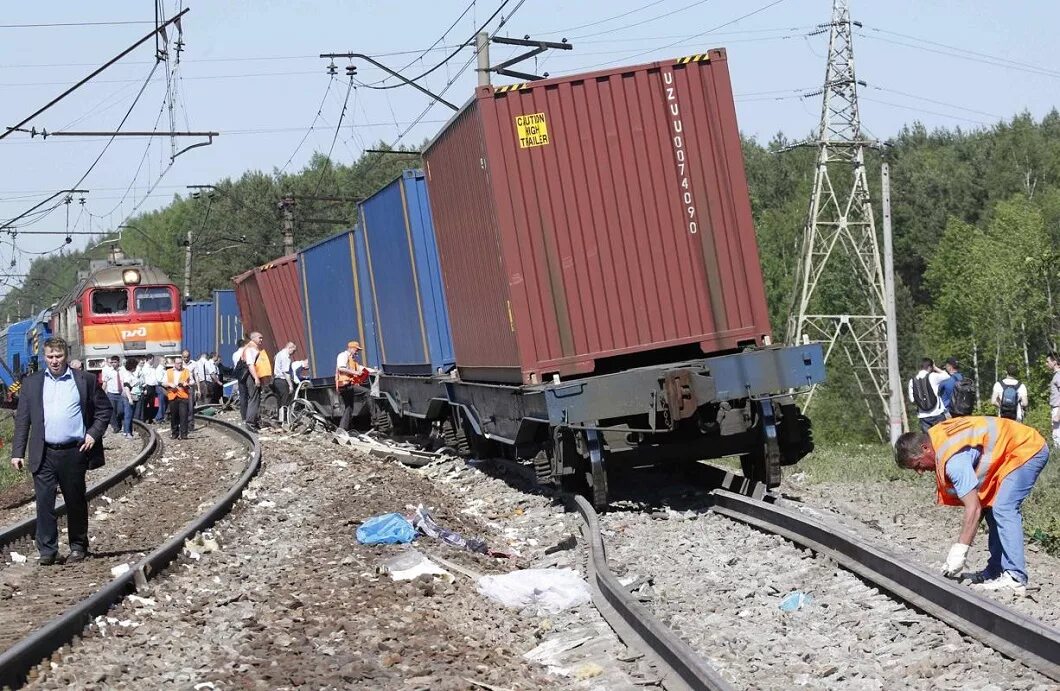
(253, 428)
(46, 560)
(76, 556)
(184, 438)
(175, 436)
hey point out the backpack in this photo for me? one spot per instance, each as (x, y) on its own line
(241, 370)
(1010, 400)
(923, 395)
(964, 394)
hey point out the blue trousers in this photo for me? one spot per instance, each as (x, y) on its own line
(160, 397)
(1005, 519)
(116, 407)
(126, 415)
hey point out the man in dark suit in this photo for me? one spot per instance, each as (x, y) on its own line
(61, 417)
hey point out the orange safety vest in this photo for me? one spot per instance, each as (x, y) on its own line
(1005, 445)
(342, 380)
(172, 394)
(263, 365)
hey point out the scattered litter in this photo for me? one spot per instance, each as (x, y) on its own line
(266, 504)
(795, 600)
(17, 558)
(205, 685)
(426, 525)
(340, 463)
(550, 652)
(143, 601)
(120, 570)
(569, 542)
(550, 590)
(411, 564)
(199, 545)
(388, 529)
(484, 685)
(588, 671)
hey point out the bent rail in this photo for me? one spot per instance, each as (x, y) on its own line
(19, 659)
(27, 527)
(1022, 638)
(635, 625)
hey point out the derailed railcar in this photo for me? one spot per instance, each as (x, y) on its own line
(603, 280)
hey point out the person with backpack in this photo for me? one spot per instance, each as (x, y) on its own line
(924, 393)
(1010, 396)
(1053, 360)
(947, 386)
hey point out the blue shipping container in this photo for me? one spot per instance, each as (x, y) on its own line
(17, 353)
(39, 332)
(228, 329)
(407, 290)
(197, 325)
(332, 303)
(373, 355)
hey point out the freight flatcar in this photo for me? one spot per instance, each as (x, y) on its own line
(122, 307)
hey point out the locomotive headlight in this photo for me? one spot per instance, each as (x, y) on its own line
(130, 277)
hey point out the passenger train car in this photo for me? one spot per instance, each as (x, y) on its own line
(120, 307)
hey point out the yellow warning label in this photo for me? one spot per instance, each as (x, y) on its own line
(532, 130)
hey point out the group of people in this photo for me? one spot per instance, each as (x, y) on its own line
(257, 374)
(987, 465)
(149, 388)
(940, 394)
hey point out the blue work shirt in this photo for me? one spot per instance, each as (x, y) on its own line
(960, 470)
(63, 422)
(946, 387)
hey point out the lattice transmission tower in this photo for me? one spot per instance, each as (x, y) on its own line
(840, 290)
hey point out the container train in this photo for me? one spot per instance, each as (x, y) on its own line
(573, 278)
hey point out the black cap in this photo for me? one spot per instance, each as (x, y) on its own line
(952, 361)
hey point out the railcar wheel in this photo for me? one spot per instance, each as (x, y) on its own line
(597, 471)
(454, 435)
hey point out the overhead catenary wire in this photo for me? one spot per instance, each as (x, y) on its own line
(312, 125)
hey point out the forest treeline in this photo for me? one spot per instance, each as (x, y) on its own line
(976, 216)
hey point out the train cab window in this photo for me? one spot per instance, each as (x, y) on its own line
(110, 301)
(153, 300)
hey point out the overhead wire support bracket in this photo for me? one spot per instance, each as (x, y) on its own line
(537, 47)
(7, 224)
(362, 56)
(95, 73)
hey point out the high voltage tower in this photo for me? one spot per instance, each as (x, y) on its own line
(840, 280)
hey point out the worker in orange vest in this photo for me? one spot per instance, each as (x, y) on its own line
(988, 465)
(177, 383)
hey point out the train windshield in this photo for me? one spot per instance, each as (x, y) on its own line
(110, 301)
(153, 300)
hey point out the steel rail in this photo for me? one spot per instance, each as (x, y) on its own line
(26, 528)
(635, 625)
(1022, 638)
(17, 661)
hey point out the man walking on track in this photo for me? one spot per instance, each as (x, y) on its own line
(987, 465)
(178, 385)
(60, 421)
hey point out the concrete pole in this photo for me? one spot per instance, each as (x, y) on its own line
(287, 206)
(187, 268)
(897, 422)
(482, 48)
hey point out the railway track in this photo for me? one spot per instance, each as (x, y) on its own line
(133, 540)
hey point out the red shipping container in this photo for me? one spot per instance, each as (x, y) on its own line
(270, 301)
(598, 221)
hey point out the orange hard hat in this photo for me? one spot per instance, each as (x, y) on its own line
(353, 344)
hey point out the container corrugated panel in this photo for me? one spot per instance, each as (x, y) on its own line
(197, 326)
(413, 322)
(17, 350)
(373, 355)
(270, 301)
(331, 294)
(5, 376)
(228, 327)
(604, 215)
(251, 306)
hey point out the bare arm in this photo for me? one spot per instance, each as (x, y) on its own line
(973, 512)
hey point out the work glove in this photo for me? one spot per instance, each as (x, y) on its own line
(955, 560)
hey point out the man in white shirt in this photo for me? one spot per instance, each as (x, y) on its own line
(150, 374)
(252, 380)
(198, 370)
(1010, 395)
(213, 378)
(160, 391)
(924, 393)
(350, 380)
(282, 383)
(240, 381)
(1053, 361)
(112, 386)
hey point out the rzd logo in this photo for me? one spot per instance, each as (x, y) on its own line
(135, 333)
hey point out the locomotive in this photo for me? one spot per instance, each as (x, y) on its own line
(572, 278)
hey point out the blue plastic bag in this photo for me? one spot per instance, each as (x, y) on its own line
(794, 601)
(388, 529)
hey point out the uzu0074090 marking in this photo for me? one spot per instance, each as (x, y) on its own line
(678, 142)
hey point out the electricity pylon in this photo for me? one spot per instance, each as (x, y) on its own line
(850, 322)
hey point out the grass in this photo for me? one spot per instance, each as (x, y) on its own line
(8, 475)
(837, 464)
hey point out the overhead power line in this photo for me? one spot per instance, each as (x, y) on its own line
(58, 24)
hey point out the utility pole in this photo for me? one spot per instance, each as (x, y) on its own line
(482, 49)
(840, 216)
(287, 209)
(897, 422)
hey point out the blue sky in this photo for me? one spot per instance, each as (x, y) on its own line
(250, 71)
